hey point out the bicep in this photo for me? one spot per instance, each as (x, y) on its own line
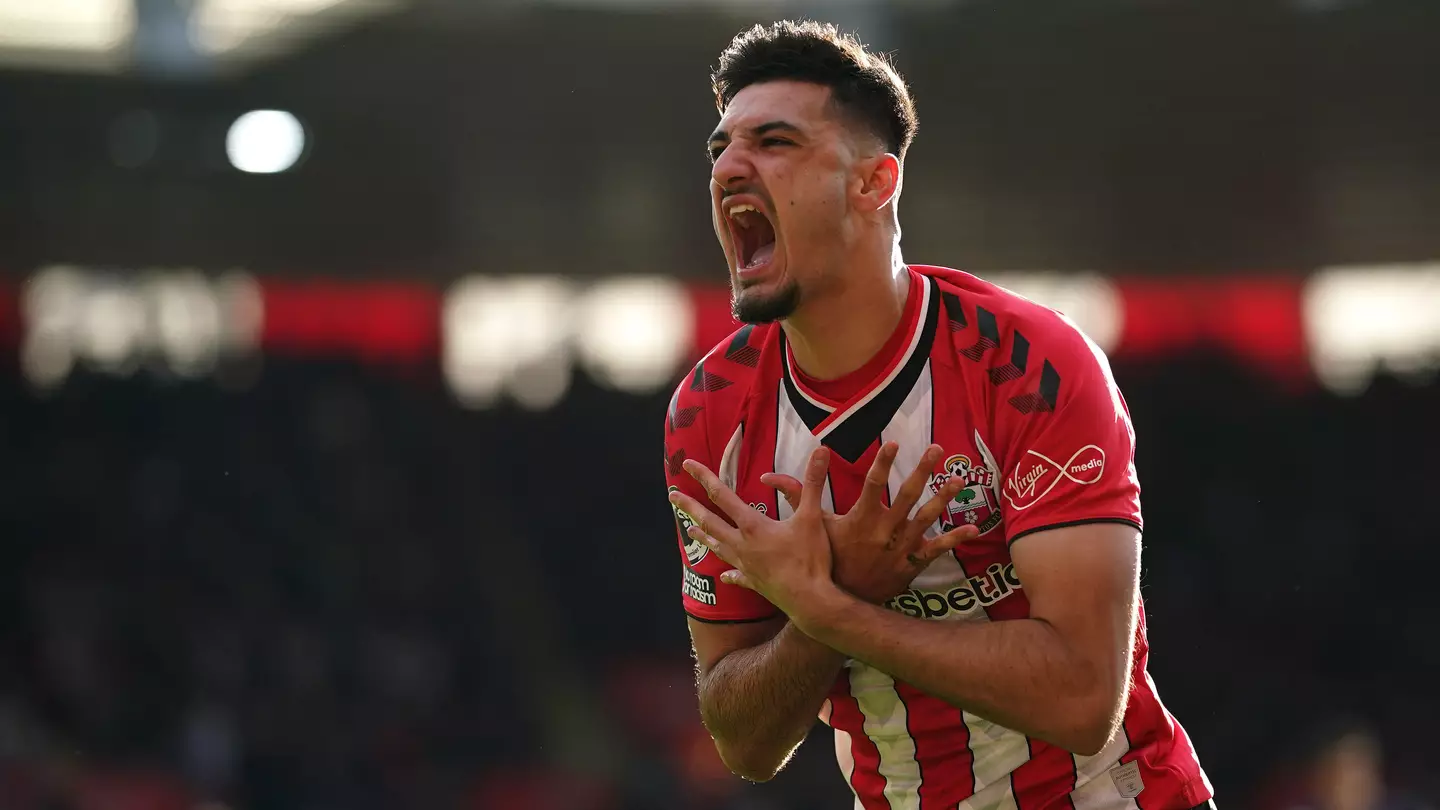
(713, 641)
(1085, 582)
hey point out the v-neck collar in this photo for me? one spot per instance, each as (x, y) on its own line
(851, 426)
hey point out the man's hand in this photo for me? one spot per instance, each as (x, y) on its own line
(878, 550)
(785, 561)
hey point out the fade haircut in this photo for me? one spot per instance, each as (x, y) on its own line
(864, 86)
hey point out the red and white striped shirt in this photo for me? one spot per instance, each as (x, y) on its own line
(1028, 413)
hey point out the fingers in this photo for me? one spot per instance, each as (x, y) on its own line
(721, 495)
(708, 529)
(877, 480)
(933, 508)
(724, 550)
(933, 548)
(789, 487)
(706, 522)
(945, 543)
(914, 484)
(737, 577)
(814, 481)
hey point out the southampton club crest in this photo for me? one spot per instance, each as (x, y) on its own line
(976, 504)
(695, 550)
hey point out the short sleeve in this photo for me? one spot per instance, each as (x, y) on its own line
(702, 594)
(1068, 446)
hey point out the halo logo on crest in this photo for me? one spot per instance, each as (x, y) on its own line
(695, 551)
(977, 504)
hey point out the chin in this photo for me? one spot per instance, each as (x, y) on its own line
(758, 305)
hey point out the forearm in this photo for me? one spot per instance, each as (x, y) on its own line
(759, 703)
(1020, 674)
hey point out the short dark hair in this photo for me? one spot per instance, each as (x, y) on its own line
(863, 84)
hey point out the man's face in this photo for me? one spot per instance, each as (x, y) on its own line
(778, 191)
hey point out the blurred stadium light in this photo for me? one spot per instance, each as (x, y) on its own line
(113, 35)
(1089, 299)
(1360, 320)
(633, 333)
(177, 321)
(507, 336)
(79, 34)
(525, 337)
(248, 29)
(265, 141)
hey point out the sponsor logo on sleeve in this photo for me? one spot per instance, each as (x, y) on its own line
(698, 587)
(695, 551)
(1037, 474)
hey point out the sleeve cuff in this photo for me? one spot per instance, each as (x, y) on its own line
(752, 620)
(1068, 523)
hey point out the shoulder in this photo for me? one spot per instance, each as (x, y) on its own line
(710, 398)
(1014, 335)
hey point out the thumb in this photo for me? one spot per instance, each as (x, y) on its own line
(788, 486)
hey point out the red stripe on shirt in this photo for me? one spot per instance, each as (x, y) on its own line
(865, 780)
(942, 748)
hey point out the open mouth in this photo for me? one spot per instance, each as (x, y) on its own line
(754, 237)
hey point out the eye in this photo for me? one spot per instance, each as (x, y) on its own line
(775, 142)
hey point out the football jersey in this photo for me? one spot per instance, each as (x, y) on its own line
(1028, 414)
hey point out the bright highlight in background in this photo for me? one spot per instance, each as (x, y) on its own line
(632, 333)
(1088, 299)
(265, 142)
(1362, 319)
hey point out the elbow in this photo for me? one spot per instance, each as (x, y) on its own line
(1093, 725)
(1089, 741)
(749, 757)
(746, 763)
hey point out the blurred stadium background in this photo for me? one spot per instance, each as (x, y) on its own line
(335, 338)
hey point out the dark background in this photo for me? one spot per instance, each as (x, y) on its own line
(310, 578)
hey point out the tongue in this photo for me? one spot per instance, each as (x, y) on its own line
(761, 255)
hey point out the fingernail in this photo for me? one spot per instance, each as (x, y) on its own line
(817, 458)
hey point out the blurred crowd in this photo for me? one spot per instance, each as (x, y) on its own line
(333, 589)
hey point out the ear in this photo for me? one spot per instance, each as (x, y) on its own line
(878, 182)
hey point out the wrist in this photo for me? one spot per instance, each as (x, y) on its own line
(822, 610)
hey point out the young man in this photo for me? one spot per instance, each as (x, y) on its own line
(967, 620)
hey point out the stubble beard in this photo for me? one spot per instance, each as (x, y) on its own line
(754, 307)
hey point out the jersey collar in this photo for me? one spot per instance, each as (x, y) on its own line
(849, 427)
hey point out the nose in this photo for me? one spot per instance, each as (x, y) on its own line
(732, 169)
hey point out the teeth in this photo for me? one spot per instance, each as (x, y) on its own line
(740, 209)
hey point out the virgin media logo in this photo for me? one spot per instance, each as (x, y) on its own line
(1037, 474)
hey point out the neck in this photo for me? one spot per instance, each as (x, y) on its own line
(840, 331)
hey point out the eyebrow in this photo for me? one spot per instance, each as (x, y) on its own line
(721, 136)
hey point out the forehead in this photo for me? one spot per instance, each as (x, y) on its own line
(801, 103)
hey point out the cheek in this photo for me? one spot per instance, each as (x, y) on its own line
(816, 211)
(722, 231)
